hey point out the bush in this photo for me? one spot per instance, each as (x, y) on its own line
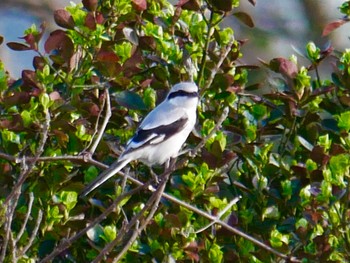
(267, 174)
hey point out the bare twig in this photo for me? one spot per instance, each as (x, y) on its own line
(229, 205)
(213, 72)
(101, 130)
(7, 226)
(29, 211)
(135, 234)
(71, 158)
(217, 127)
(33, 235)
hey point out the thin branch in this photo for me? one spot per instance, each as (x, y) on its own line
(229, 205)
(72, 158)
(7, 226)
(217, 127)
(213, 72)
(206, 47)
(104, 124)
(135, 234)
(30, 204)
(34, 233)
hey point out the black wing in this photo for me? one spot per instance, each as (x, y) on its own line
(156, 135)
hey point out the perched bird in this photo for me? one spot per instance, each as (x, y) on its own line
(160, 135)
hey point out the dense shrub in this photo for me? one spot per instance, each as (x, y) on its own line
(267, 176)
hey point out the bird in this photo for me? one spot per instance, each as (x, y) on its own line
(160, 135)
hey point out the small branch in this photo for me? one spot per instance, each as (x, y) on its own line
(34, 233)
(72, 158)
(104, 124)
(135, 234)
(7, 226)
(217, 127)
(213, 72)
(218, 217)
(206, 47)
(30, 204)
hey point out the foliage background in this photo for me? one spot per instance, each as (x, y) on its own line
(279, 142)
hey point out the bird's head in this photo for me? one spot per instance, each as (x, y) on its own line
(184, 93)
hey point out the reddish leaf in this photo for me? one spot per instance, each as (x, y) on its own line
(132, 65)
(54, 40)
(31, 41)
(329, 28)
(94, 110)
(18, 46)
(17, 98)
(90, 5)
(15, 123)
(144, 84)
(172, 220)
(139, 5)
(244, 18)
(29, 78)
(345, 99)
(107, 56)
(38, 62)
(58, 40)
(107, 62)
(299, 170)
(225, 6)
(99, 18)
(61, 137)
(192, 5)
(147, 43)
(64, 19)
(90, 21)
(284, 66)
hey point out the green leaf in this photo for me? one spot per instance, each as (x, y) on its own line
(130, 100)
(90, 174)
(69, 199)
(109, 233)
(313, 52)
(150, 97)
(305, 143)
(95, 233)
(215, 253)
(344, 120)
(45, 100)
(277, 239)
(27, 118)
